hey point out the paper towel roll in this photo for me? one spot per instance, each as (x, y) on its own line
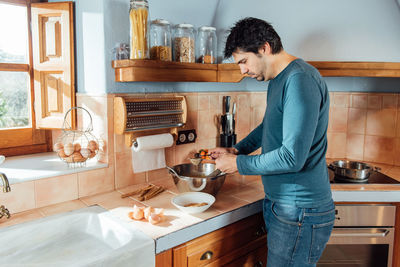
(148, 152)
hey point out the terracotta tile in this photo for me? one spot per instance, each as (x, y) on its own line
(398, 123)
(21, 217)
(184, 152)
(357, 120)
(251, 193)
(167, 183)
(379, 149)
(257, 116)
(203, 102)
(192, 101)
(355, 147)
(389, 101)
(227, 202)
(20, 198)
(359, 100)
(337, 145)
(161, 200)
(191, 121)
(124, 175)
(109, 200)
(56, 190)
(243, 121)
(206, 144)
(339, 119)
(170, 156)
(120, 145)
(96, 181)
(62, 207)
(207, 126)
(381, 122)
(216, 103)
(258, 100)
(374, 101)
(397, 152)
(394, 173)
(341, 100)
(157, 174)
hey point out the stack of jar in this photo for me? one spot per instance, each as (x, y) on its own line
(184, 43)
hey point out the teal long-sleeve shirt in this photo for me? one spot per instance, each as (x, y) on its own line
(293, 139)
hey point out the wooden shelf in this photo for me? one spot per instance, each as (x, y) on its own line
(161, 71)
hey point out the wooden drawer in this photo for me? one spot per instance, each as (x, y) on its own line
(256, 258)
(221, 246)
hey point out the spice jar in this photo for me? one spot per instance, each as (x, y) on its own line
(160, 40)
(138, 18)
(207, 45)
(184, 43)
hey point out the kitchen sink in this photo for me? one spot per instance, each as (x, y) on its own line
(90, 236)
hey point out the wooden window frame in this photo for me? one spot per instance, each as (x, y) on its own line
(23, 141)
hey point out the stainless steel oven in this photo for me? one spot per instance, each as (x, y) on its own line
(363, 235)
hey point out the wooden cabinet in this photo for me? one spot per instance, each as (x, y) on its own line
(240, 244)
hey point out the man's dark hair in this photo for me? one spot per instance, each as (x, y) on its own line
(249, 35)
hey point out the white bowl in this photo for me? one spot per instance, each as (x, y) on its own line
(183, 199)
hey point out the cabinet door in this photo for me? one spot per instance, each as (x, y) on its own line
(256, 258)
(53, 63)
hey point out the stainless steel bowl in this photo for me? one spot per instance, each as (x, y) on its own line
(195, 178)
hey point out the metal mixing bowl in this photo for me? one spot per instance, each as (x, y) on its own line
(195, 178)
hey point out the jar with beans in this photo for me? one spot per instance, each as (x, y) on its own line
(184, 43)
(160, 40)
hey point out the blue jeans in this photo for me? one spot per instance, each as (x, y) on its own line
(296, 236)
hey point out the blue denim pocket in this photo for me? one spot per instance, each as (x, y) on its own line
(286, 213)
(320, 236)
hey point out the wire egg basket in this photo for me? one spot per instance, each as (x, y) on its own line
(75, 147)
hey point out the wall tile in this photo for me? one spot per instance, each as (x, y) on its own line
(389, 101)
(18, 218)
(207, 126)
(203, 102)
(379, 149)
(381, 122)
(397, 153)
(157, 174)
(341, 100)
(257, 116)
(355, 147)
(191, 121)
(184, 152)
(96, 181)
(62, 207)
(258, 100)
(124, 175)
(374, 101)
(20, 198)
(337, 145)
(56, 190)
(359, 100)
(339, 119)
(357, 121)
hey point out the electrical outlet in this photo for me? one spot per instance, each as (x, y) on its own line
(187, 136)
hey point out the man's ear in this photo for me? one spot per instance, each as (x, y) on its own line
(265, 49)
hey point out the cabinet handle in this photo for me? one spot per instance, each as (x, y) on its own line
(259, 232)
(259, 264)
(206, 256)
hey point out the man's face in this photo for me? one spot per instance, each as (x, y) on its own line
(251, 64)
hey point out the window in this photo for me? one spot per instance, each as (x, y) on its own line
(34, 70)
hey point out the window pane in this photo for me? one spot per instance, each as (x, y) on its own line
(15, 98)
(14, 34)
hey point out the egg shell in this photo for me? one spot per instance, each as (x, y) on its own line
(92, 154)
(155, 218)
(93, 146)
(61, 153)
(147, 212)
(68, 149)
(85, 152)
(138, 213)
(57, 147)
(77, 147)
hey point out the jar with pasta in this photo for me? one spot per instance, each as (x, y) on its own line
(160, 40)
(184, 43)
(207, 45)
(139, 30)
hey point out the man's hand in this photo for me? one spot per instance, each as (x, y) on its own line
(219, 151)
(226, 163)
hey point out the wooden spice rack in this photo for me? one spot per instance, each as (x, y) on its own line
(136, 117)
(161, 71)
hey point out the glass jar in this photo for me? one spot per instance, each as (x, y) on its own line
(138, 18)
(160, 40)
(207, 45)
(184, 43)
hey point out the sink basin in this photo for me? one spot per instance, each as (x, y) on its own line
(86, 237)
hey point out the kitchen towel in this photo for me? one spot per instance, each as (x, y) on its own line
(148, 152)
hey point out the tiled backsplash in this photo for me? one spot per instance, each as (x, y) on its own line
(362, 126)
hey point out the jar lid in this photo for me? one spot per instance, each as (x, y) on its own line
(160, 21)
(207, 28)
(184, 25)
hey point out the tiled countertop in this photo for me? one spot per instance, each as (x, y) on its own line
(240, 197)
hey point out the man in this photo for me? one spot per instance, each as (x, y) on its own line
(298, 207)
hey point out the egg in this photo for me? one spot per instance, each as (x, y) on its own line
(69, 159)
(147, 212)
(57, 147)
(85, 152)
(93, 146)
(137, 213)
(77, 157)
(92, 154)
(77, 147)
(155, 218)
(68, 149)
(61, 153)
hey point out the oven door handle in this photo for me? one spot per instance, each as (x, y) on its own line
(359, 232)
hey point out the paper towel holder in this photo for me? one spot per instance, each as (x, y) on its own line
(135, 117)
